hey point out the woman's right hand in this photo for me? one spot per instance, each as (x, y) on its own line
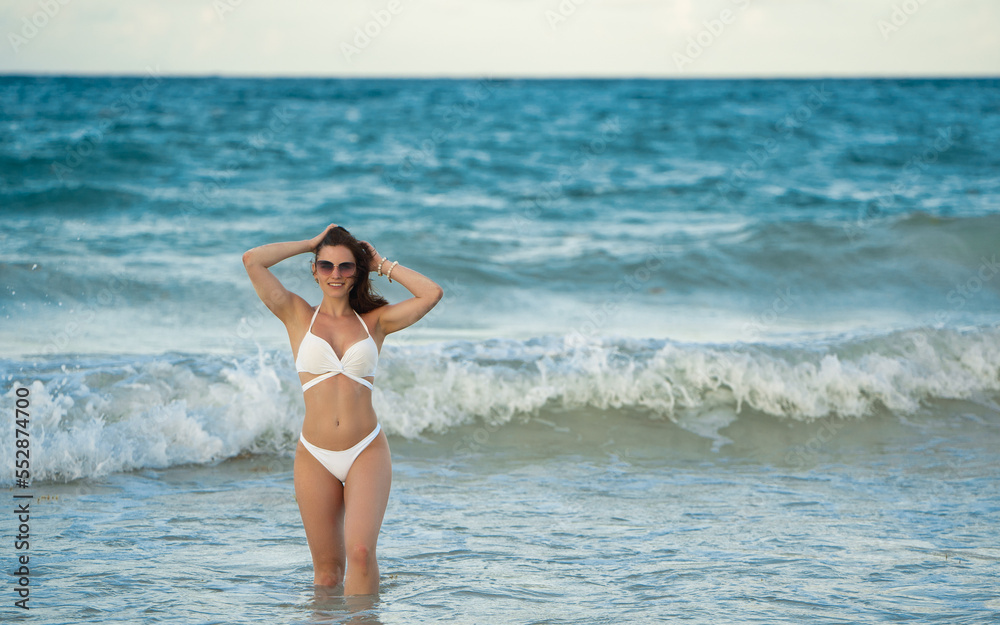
(316, 240)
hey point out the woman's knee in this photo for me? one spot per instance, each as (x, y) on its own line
(361, 558)
(328, 577)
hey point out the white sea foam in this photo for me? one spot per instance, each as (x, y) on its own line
(497, 379)
(103, 416)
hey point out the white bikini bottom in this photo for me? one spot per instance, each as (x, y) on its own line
(339, 462)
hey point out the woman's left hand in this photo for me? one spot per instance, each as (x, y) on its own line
(375, 257)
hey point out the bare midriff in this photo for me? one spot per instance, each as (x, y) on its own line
(339, 412)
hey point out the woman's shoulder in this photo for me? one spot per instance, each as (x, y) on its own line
(372, 312)
(301, 313)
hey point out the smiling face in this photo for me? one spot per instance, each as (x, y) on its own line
(335, 280)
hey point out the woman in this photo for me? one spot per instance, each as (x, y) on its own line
(342, 466)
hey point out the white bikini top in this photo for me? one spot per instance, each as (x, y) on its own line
(317, 356)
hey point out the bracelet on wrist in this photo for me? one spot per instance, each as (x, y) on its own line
(382, 262)
(388, 274)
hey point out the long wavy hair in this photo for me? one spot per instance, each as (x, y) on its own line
(363, 296)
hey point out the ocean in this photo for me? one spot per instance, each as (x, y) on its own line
(710, 350)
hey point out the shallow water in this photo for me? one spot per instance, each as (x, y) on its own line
(522, 530)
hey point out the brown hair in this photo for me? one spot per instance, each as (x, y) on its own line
(363, 296)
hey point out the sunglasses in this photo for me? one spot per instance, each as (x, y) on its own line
(325, 268)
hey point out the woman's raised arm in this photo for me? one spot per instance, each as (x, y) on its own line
(426, 294)
(257, 261)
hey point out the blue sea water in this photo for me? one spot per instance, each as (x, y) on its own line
(712, 350)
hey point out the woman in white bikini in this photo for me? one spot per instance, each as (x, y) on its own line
(342, 465)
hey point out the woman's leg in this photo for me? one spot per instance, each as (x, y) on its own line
(321, 503)
(366, 494)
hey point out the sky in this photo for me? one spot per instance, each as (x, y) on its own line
(498, 38)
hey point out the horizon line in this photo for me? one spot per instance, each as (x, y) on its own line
(487, 76)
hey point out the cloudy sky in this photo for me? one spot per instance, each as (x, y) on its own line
(654, 38)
